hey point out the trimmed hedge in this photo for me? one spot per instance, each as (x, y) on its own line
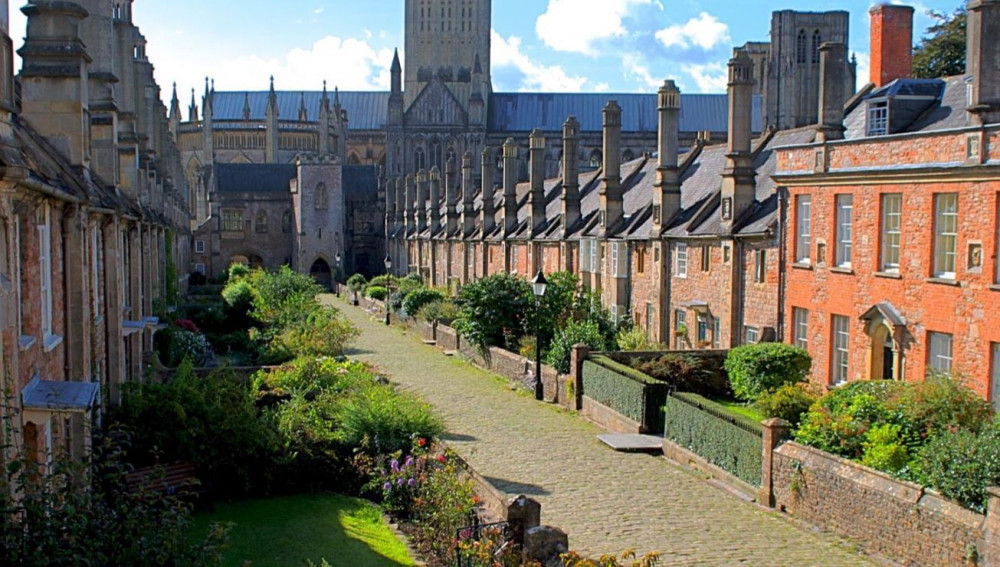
(723, 438)
(625, 390)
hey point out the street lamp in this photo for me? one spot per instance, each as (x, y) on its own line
(538, 286)
(336, 279)
(388, 287)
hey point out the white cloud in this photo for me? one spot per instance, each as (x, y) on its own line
(710, 78)
(635, 68)
(864, 69)
(705, 31)
(574, 25)
(318, 11)
(602, 88)
(537, 77)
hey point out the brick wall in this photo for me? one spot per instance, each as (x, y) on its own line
(893, 518)
(714, 286)
(645, 289)
(760, 299)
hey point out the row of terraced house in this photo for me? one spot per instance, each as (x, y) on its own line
(868, 238)
(94, 220)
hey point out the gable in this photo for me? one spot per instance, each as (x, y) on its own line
(436, 105)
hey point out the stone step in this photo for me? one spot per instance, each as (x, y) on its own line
(632, 443)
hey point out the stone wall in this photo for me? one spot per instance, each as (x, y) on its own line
(447, 338)
(890, 517)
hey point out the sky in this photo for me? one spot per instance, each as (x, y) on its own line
(620, 46)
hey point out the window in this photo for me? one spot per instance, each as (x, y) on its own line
(640, 261)
(845, 230)
(800, 47)
(682, 260)
(945, 234)
(995, 376)
(800, 327)
(878, 119)
(45, 268)
(760, 266)
(702, 329)
(841, 349)
(619, 259)
(95, 272)
(803, 228)
(716, 333)
(588, 257)
(514, 258)
(817, 40)
(322, 198)
(286, 222)
(706, 258)
(751, 335)
(649, 318)
(260, 224)
(232, 221)
(939, 352)
(200, 268)
(680, 328)
(892, 214)
(199, 246)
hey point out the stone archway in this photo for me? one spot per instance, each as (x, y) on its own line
(321, 272)
(886, 332)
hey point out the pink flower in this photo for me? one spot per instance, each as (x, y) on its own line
(440, 458)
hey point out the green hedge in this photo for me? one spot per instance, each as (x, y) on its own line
(625, 390)
(723, 438)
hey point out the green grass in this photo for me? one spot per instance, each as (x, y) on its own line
(288, 532)
(741, 408)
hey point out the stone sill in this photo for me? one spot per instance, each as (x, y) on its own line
(51, 342)
(995, 287)
(944, 281)
(889, 275)
(839, 270)
(25, 342)
(802, 266)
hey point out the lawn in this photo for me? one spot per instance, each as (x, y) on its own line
(288, 532)
(741, 409)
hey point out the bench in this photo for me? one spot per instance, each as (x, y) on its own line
(172, 479)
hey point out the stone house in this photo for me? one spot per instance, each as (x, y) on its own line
(93, 220)
(893, 220)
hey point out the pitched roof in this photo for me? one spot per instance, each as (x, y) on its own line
(366, 110)
(254, 177)
(942, 106)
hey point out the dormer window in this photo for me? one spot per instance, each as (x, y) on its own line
(878, 118)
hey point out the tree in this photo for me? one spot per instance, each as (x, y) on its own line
(941, 52)
(493, 311)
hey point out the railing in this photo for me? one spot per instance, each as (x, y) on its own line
(506, 532)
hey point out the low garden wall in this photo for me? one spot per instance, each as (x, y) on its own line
(629, 392)
(897, 519)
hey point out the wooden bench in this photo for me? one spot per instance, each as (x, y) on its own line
(172, 479)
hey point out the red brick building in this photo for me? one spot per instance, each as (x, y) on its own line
(891, 241)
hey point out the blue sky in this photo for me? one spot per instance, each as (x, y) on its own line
(538, 45)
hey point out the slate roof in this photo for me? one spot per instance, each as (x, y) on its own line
(509, 112)
(54, 395)
(946, 113)
(254, 177)
(361, 181)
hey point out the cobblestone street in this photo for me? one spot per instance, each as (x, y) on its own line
(607, 502)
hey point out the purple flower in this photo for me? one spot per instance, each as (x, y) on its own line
(409, 461)
(394, 465)
(411, 482)
(399, 482)
(387, 486)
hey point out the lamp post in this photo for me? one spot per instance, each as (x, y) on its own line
(336, 279)
(538, 286)
(388, 286)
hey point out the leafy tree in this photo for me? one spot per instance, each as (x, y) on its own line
(555, 307)
(756, 369)
(322, 333)
(941, 52)
(283, 297)
(493, 311)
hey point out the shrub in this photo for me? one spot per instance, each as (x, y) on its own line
(634, 339)
(356, 283)
(192, 346)
(699, 374)
(376, 292)
(283, 296)
(382, 421)
(493, 311)
(382, 281)
(962, 464)
(418, 298)
(238, 297)
(789, 402)
(444, 503)
(941, 403)
(884, 448)
(572, 334)
(444, 311)
(238, 271)
(322, 333)
(838, 421)
(755, 369)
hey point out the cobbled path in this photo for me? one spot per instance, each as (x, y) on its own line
(606, 501)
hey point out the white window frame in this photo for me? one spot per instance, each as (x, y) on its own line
(45, 271)
(760, 265)
(800, 327)
(945, 235)
(995, 375)
(680, 318)
(619, 259)
(751, 335)
(878, 118)
(701, 330)
(716, 333)
(514, 258)
(682, 259)
(892, 226)
(803, 229)
(940, 351)
(845, 230)
(200, 268)
(199, 246)
(595, 257)
(840, 359)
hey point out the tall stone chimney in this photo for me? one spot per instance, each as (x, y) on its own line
(983, 60)
(421, 200)
(833, 93)
(54, 77)
(435, 200)
(738, 179)
(612, 206)
(570, 175)
(468, 195)
(450, 196)
(537, 196)
(509, 186)
(667, 197)
(891, 43)
(487, 219)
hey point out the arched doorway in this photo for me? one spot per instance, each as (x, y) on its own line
(886, 332)
(320, 272)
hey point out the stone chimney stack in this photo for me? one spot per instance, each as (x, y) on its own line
(410, 211)
(983, 60)
(738, 179)
(833, 92)
(487, 213)
(451, 196)
(435, 200)
(537, 197)
(468, 195)
(667, 198)
(891, 44)
(54, 77)
(421, 201)
(612, 206)
(570, 175)
(509, 186)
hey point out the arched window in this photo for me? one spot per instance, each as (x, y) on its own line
(451, 155)
(817, 40)
(260, 223)
(800, 47)
(435, 154)
(322, 198)
(419, 160)
(595, 159)
(353, 159)
(286, 222)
